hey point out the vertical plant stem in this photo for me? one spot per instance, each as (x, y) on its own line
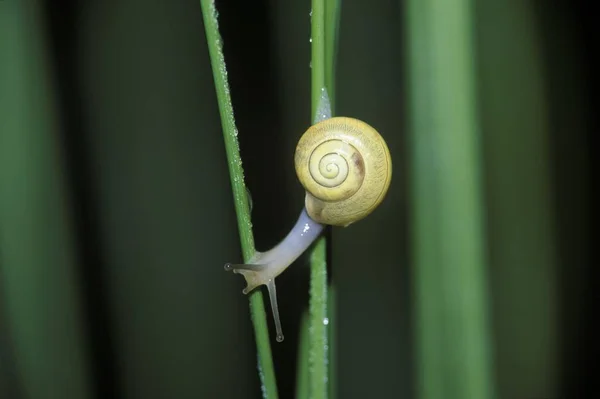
(318, 342)
(315, 364)
(317, 53)
(318, 354)
(39, 268)
(257, 306)
(528, 203)
(332, 318)
(448, 248)
(303, 378)
(332, 21)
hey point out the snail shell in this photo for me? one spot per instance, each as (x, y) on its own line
(345, 167)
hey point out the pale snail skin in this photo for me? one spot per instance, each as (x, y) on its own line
(345, 167)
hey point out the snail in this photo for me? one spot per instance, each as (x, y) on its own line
(345, 167)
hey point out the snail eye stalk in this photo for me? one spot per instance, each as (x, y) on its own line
(264, 267)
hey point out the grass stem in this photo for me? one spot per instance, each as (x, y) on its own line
(451, 297)
(257, 306)
(324, 17)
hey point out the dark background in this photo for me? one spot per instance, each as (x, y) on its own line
(142, 308)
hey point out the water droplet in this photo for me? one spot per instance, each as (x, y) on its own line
(326, 321)
(310, 40)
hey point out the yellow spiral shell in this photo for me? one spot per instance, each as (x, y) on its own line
(345, 167)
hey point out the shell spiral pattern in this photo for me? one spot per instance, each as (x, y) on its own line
(345, 167)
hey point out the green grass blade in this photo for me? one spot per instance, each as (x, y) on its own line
(333, 10)
(332, 323)
(318, 63)
(318, 356)
(39, 272)
(318, 353)
(302, 378)
(527, 195)
(332, 22)
(257, 306)
(447, 227)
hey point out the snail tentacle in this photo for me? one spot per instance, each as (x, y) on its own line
(265, 266)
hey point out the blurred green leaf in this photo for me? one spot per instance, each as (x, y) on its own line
(40, 281)
(454, 357)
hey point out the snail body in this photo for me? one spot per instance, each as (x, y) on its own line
(345, 167)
